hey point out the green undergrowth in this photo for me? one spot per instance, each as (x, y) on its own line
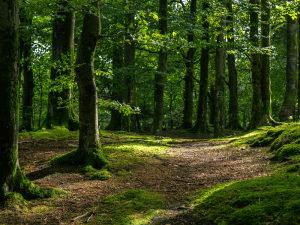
(266, 200)
(134, 207)
(59, 133)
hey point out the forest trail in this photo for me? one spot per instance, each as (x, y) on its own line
(190, 166)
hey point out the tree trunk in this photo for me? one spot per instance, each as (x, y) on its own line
(161, 73)
(201, 123)
(299, 67)
(129, 62)
(257, 104)
(212, 104)
(265, 62)
(118, 52)
(232, 73)
(62, 45)
(289, 103)
(88, 109)
(219, 118)
(189, 78)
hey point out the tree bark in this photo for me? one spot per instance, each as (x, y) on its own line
(265, 62)
(129, 63)
(219, 117)
(160, 74)
(189, 77)
(9, 92)
(88, 109)
(212, 104)
(117, 64)
(62, 45)
(257, 104)
(201, 123)
(289, 103)
(232, 73)
(28, 84)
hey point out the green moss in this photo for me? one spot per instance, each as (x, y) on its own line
(96, 159)
(286, 151)
(99, 175)
(69, 158)
(267, 200)
(130, 207)
(55, 133)
(293, 168)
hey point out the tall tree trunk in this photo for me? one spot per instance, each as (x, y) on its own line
(289, 103)
(212, 104)
(129, 62)
(257, 104)
(265, 62)
(232, 73)
(219, 118)
(189, 80)
(201, 123)
(161, 73)
(88, 110)
(9, 92)
(299, 67)
(62, 44)
(11, 177)
(118, 53)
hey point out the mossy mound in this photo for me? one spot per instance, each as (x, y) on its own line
(284, 140)
(57, 132)
(130, 207)
(267, 200)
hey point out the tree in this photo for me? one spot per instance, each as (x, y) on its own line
(232, 73)
(28, 85)
(189, 77)
(201, 123)
(161, 73)
(219, 118)
(62, 54)
(11, 177)
(289, 103)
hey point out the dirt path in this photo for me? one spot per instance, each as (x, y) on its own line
(193, 166)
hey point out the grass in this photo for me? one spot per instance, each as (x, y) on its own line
(135, 207)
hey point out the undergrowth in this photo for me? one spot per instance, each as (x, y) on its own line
(60, 133)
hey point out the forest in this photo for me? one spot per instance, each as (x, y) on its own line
(149, 112)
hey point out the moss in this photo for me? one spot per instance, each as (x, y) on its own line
(99, 175)
(267, 200)
(130, 207)
(96, 159)
(55, 133)
(293, 168)
(286, 151)
(69, 158)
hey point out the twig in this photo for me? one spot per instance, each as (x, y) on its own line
(90, 217)
(79, 217)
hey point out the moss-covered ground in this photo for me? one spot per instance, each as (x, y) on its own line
(179, 178)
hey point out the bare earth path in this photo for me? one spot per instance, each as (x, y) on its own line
(191, 166)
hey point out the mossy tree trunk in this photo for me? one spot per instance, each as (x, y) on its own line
(257, 104)
(189, 77)
(161, 73)
(201, 123)
(88, 109)
(117, 64)
(233, 110)
(219, 118)
(299, 65)
(28, 84)
(265, 61)
(289, 103)
(129, 66)
(62, 50)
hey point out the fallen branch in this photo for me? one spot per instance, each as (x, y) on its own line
(80, 217)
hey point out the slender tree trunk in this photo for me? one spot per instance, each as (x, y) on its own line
(232, 73)
(62, 44)
(212, 104)
(219, 120)
(289, 103)
(299, 67)
(265, 61)
(118, 52)
(201, 123)
(189, 80)
(129, 62)
(257, 104)
(88, 109)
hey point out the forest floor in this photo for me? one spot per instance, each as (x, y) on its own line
(179, 165)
